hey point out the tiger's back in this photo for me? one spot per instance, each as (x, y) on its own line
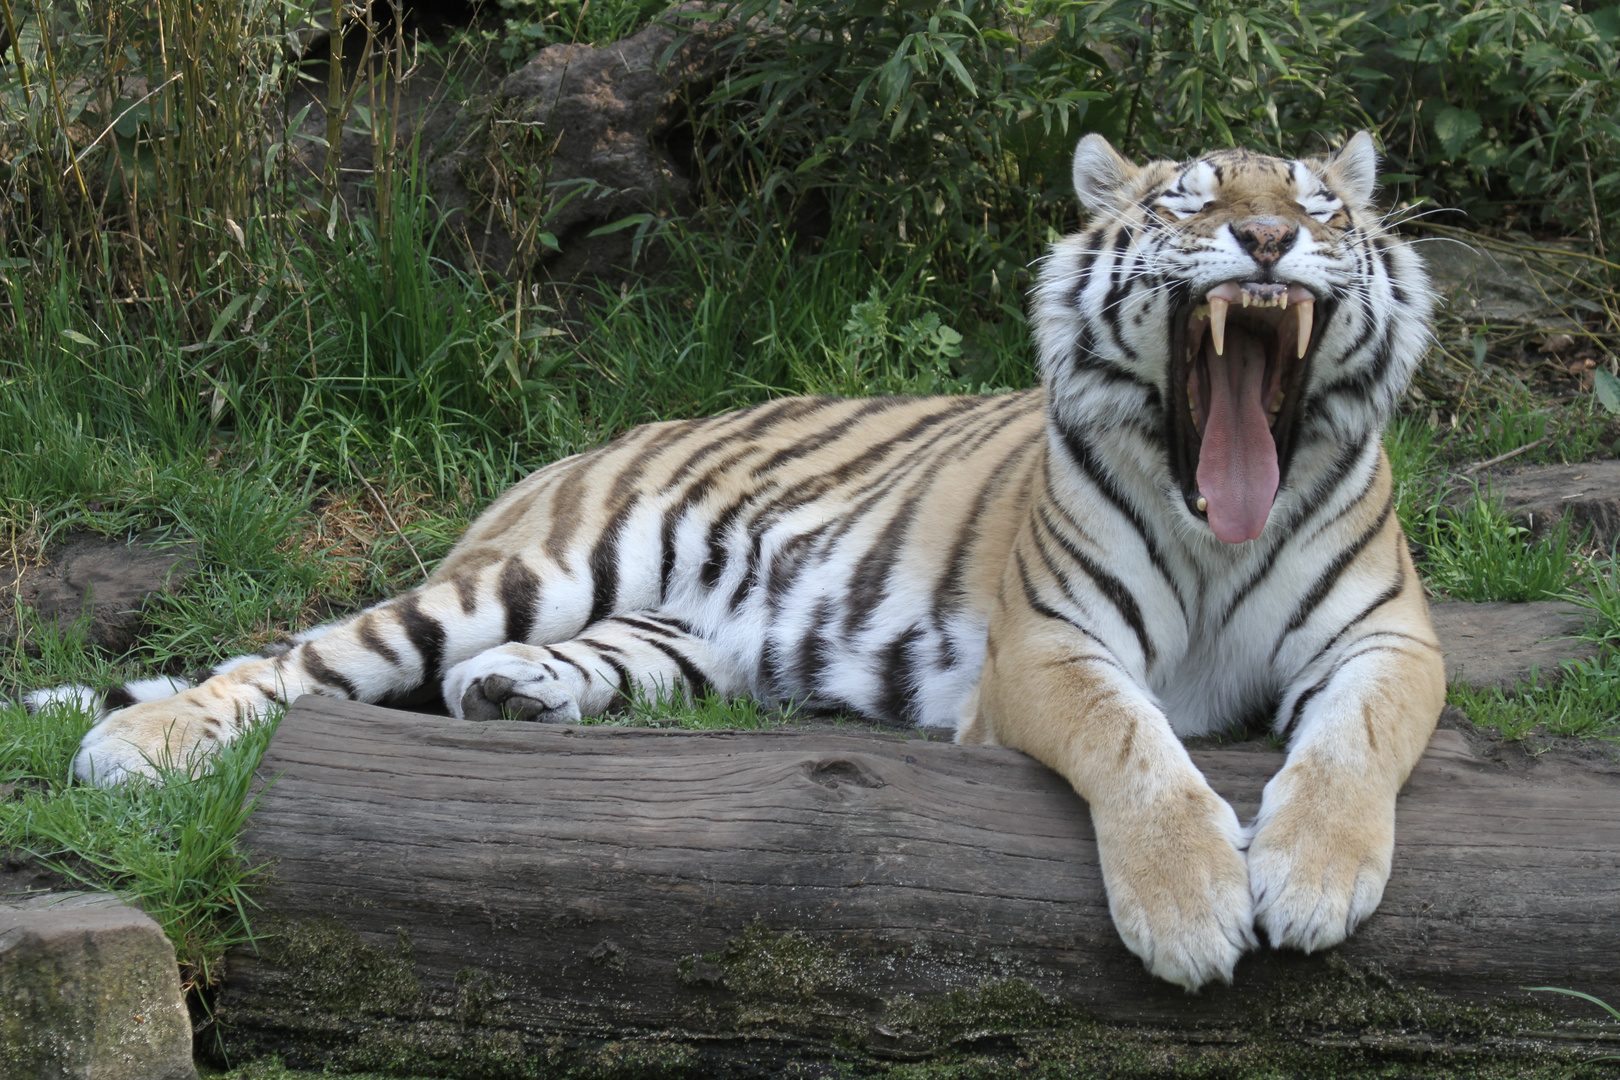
(840, 554)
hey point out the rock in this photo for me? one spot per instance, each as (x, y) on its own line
(1489, 281)
(108, 580)
(1503, 644)
(587, 137)
(90, 990)
(1538, 497)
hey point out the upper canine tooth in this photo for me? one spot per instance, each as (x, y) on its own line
(1217, 322)
(1305, 313)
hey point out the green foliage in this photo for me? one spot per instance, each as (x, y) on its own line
(531, 25)
(1601, 598)
(135, 136)
(938, 127)
(1503, 102)
(1554, 434)
(1470, 549)
(953, 119)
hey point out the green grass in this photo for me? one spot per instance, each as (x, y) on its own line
(1583, 701)
(168, 847)
(272, 1069)
(707, 712)
(1472, 551)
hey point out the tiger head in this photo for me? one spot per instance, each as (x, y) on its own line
(1241, 312)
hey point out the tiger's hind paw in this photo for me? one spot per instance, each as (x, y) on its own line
(503, 684)
(146, 740)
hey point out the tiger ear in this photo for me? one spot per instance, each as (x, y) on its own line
(1100, 172)
(1353, 171)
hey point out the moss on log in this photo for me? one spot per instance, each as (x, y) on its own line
(511, 900)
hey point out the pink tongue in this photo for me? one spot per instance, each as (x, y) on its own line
(1237, 463)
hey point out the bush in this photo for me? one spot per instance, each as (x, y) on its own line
(949, 122)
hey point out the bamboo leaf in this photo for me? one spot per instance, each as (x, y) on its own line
(223, 319)
(1607, 389)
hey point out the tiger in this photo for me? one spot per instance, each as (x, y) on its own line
(1188, 524)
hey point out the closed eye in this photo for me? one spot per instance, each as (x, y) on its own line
(1321, 205)
(1182, 207)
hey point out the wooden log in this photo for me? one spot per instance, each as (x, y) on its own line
(447, 891)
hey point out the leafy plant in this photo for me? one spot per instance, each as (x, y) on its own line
(531, 25)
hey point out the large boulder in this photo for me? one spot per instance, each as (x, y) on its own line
(1507, 280)
(90, 992)
(580, 138)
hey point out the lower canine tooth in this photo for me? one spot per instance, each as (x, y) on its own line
(1202, 504)
(1217, 323)
(1305, 314)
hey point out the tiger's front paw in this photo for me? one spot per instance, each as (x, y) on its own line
(1319, 859)
(179, 732)
(512, 682)
(1178, 887)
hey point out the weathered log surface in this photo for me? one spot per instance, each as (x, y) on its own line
(611, 881)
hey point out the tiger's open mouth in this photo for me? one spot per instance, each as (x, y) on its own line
(1241, 352)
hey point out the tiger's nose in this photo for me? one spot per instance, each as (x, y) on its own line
(1266, 239)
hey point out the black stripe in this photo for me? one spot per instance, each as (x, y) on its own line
(1304, 699)
(604, 564)
(1085, 357)
(1041, 608)
(1057, 575)
(791, 560)
(1317, 497)
(696, 682)
(575, 664)
(715, 565)
(647, 626)
(813, 649)
(750, 579)
(366, 630)
(1084, 459)
(668, 620)
(827, 435)
(1330, 577)
(868, 585)
(118, 697)
(1111, 587)
(926, 454)
(896, 662)
(1322, 493)
(949, 592)
(666, 546)
(312, 662)
(518, 590)
(426, 634)
(1394, 589)
(621, 692)
(1035, 603)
